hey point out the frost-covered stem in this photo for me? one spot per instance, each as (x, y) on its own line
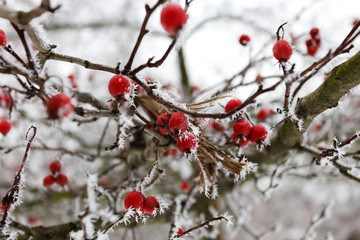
(112, 225)
(142, 33)
(12, 195)
(102, 138)
(315, 222)
(31, 64)
(85, 63)
(208, 222)
(10, 50)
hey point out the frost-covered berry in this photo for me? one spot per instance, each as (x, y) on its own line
(178, 123)
(282, 50)
(186, 142)
(217, 126)
(257, 133)
(311, 46)
(59, 106)
(3, 38)
(5, 127)
(173, 18)
(134, 199)
(61, 179)
(314, 32)
(48, 181)
(232, 104)
(55, 166)
(163, 120)
(264, 113)
(5, 100)
(244, 39)
(118, 86)
(149, 205)
(241, 127)
(240, 141)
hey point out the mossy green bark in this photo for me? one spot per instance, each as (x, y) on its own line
(342, 79)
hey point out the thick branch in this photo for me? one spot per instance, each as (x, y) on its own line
(343, 78)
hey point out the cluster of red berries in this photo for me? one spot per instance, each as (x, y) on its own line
(5, 127)
(56, 176)
(137, 200)
(59, 106)
(173, 18)
(244, 39)
(177, 124)
(314, 42)
(3, 38)
(243, 131)
(282, 50)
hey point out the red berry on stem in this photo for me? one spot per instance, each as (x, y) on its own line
(149, 205)
(186, 142)
(55, 166)
(178, 123)
(217, 126)
(3, 38)
(314, 32)
(180, 231)
(282, 50)
(5, 127)
(232, 104)
(118, 86)
(257, 133)
(134, 199)
(163, 120)
(48, 181)
(240, 141)
(61, 179)
(242, 127)
(244, 39)
(312, 46)
(59, 106)
(173, 18)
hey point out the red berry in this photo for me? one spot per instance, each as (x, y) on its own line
(149, 205)
(312, 46)
(118, 86)
(2, 208)
(232, 104)
(170, 152)
(180, 231)
(173, 18)
(134, 199)
(263, 113)
(5, 127)
(55, 166)
(282, 50)
(178, 123)
(5, 101)
(186, 142)
(240, 141)
(163, 120)
(241, 127)
(3, 38)
(257, 133)
(244, 39)
(61, 179)
(185, 186)
(314, 32)
(48, 181)
(59, 106)
(217, 126)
